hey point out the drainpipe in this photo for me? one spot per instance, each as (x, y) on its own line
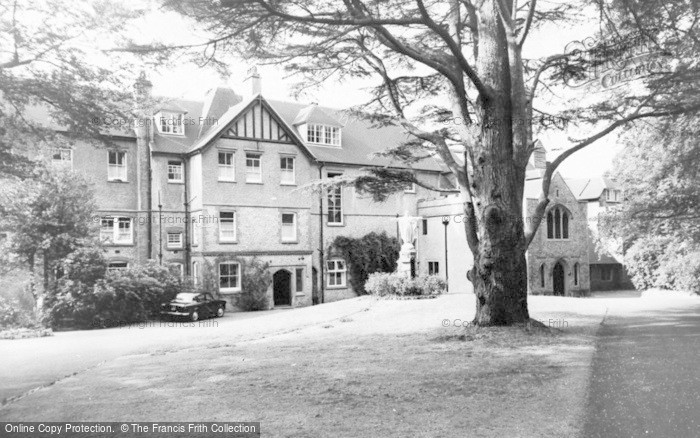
(149, 200)
(160, 230)
(188, 248)
(445, 222)
(322, 282)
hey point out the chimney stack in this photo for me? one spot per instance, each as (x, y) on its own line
(539, 156)
(255, 81)
(142, 90)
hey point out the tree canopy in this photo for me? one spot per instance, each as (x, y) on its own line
(457, 77)
(52, 71)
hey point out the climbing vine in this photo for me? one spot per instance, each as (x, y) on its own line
(374, 252)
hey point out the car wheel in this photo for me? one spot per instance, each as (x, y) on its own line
(194, 316)
(220, 312)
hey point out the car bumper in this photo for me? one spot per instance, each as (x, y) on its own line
(174, 313)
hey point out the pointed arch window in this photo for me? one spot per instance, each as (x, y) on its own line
(558, 223)
(542, 275)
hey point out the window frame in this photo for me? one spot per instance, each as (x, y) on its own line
(123, 167)
(603, 270)
(433, 267)
(174, 245)
(195, 272)
(237, 276)
(336, 192)
(231, 167)
(542, 272)
(284, 171)
(558, 223)
(173, 164)
(295, 227)
(234, 220)
(299, 279)
(174, 128)
(116, 227)
(61, 162)
(324, 135)
(111, 268)
(248, 173)
(336, 274)
(577, 274)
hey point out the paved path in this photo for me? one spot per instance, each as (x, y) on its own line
(26, 364)
(645, 379)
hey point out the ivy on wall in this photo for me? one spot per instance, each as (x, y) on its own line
(255, 281)
(374, 252)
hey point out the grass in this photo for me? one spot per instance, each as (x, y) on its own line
(392, 371)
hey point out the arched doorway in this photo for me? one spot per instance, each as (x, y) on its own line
(282, 288)
(558, 279)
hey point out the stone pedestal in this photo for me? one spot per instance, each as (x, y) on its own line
(407, 253)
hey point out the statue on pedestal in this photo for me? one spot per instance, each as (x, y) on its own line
(408, 230)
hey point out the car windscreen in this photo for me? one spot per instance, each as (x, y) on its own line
(186, 297)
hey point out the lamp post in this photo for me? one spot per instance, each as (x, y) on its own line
(445, 221)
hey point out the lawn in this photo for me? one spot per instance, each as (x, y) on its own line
(391, 370)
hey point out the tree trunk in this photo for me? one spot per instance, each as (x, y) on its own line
(500, 270)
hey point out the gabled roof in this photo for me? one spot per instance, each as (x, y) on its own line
(314, 114)
(360, 140)
(208, 119)
(41, 115)
(589, 189)
(232, 115)
(216, 102)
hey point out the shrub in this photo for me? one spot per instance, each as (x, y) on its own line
(9, 315)
(369, 254)
(680, 271)
(121, 297)
(643, 260)
(255, 282)
(383, 284)
(254, 286)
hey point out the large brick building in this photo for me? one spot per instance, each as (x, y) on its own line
(206, 185)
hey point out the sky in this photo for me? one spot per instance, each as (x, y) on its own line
(192, 82)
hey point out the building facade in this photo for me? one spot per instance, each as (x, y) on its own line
(207, 186)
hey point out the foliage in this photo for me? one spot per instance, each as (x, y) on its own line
(662, 262)
(10, 315)
(643, 260)
(658, 220)
(454, 76)
(121, 297)
(255, 282)
(389, 284)
(366, 255)
(50, 217)
(664, 199)
(52, 60)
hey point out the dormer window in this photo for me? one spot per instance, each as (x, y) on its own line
(170, 123)
(323, 134)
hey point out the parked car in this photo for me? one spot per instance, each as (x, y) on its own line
(194, 306)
